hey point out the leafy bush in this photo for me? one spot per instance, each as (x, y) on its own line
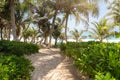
(63, 47)
(17, 48)
(94, 57)
(100, 76)
(15, 68)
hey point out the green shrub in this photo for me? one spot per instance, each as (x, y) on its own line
(63, 47)
(15, 68)
(17, 48)
(93, 57)
(100, 76)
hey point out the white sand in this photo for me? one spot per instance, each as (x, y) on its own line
(51, 65)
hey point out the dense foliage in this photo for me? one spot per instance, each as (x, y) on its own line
(94, 57)
(15, 68)
(17, 48)
(13, 65)
(107, 76)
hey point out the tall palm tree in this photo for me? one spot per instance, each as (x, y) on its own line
(57, 6)
(41, 18)
(21, 9)
(12, 15)
(102, 30)
(57, 30)
(79, 8)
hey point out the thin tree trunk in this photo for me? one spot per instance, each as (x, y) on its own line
(8, 37)
(67, 16)
(12, 6)
(56, 42)
(52, 29)
(1, 33)
(45, 40)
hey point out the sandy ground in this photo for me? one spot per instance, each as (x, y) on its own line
(51, 65)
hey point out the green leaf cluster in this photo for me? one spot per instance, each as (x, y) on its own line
(17, 48)
(101, 76)
(15, 68)
(94, 57)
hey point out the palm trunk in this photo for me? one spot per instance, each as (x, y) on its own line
(67, 16)
(52, 29)
(77, 40)
(101, 39)
(8, 37)
(45, 40)
(12, 6)
(1, 33)
(56, 41)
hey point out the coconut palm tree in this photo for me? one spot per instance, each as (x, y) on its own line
(115, 11)
(79, 8)
(12, 15)
(57, 6)
(76, 34)
(62, 37)
(57, 30)
(41, 18)
(102, 30)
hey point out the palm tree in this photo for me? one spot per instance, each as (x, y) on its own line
(5, 16)
(12, 15)
(21, 9)
(115, 11)
(79, 8)
(56, 5)
(41, 18)
(76, 34)
(57, 30)
(62, 37)
(102, 30)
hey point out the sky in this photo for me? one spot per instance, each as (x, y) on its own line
(102, 12)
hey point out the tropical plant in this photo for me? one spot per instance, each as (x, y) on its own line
(57, 6)
(94, 57)
(14, 67)
(17, 48)
(12, 16)
(29, 33)
(100, 76)
(115, 11)
(102, 29)
(62, 37)
(76, 34)
(5, 18)
(57, 29)
(78, 8)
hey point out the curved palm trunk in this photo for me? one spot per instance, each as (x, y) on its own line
(52, 29)
(67, 16)
(12, 6)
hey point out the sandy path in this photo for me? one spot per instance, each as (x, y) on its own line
(50, 65)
